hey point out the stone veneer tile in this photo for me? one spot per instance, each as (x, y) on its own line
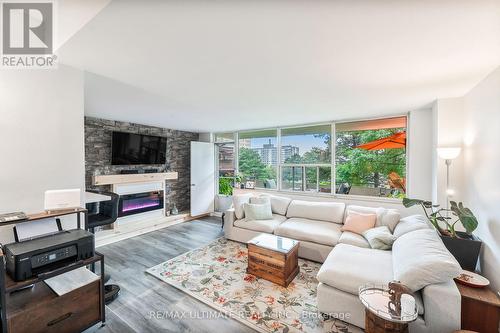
(98, 155)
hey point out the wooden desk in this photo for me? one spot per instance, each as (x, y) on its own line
(54, 213)
(480, 309)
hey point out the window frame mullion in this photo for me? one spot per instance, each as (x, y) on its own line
(333, 147)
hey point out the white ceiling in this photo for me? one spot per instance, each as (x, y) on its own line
(226, 65)
(72, 15)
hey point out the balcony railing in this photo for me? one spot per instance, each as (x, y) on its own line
(305, 177)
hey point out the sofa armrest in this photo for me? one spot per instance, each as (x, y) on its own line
(442, 306)
(229, 218)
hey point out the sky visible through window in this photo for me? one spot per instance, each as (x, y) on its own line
(304, 142)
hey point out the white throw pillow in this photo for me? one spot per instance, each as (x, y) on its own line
(279, 205)
(257, 211)
(238, 201)
(419, 258)
(379, 238)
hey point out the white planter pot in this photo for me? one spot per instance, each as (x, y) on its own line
(223, 202)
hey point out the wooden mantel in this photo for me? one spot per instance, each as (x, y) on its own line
(133, 178)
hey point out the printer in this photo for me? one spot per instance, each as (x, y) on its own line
(29, 258)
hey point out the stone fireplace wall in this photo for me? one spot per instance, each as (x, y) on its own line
(98, 156)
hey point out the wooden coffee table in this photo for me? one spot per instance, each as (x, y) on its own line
(273, 258)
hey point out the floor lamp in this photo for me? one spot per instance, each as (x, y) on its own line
(448, 154)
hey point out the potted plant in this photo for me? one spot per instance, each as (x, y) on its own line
(464, 246)
(225, 195)
(237, 181)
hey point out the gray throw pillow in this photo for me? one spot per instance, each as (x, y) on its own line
(379, 238)
(258, 211)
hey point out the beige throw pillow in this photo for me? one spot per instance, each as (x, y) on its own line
(359, 222)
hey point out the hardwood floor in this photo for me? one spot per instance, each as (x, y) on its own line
(144, 299)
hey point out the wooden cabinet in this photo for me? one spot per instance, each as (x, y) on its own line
(39, 309)
(480, 309)
(31, 306)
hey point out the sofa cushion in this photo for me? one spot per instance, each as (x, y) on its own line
(323, 211)
(238, 201)
(379, 211)
(262, 200)
(279, 205)
(260, 225)
(420, 302)
(387, 217)
(409, 224)
(351, 238)
(320, 232)
(348, 267)
(420, 258)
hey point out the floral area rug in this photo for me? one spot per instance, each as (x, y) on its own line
(216, 275)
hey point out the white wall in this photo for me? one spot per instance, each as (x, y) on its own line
(448, 126)
(420, 154)
(41, 137)
(482, 168)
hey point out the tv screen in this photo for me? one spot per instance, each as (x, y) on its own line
(129, 148)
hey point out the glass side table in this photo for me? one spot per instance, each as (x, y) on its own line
(388, 308)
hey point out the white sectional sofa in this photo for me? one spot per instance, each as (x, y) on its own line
(349, 261)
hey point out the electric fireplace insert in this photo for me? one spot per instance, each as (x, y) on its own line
(140, 202)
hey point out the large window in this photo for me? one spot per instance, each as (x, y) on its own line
(306, 158)
(366, 158)
(225, 148)
(258, 158)
(371, 157)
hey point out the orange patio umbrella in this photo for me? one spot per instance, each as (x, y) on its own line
(395, 141)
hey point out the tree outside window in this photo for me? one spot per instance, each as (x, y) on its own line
(258, 158)
(371, 157)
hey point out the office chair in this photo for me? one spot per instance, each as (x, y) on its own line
(105, 215)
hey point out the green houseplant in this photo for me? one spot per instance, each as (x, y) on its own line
(225, 186)
(237, 181)
(224, 198)
(463, 245)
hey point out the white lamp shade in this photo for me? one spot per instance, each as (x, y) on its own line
(449, 153)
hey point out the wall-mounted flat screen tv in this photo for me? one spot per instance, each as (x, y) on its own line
(130, 148)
